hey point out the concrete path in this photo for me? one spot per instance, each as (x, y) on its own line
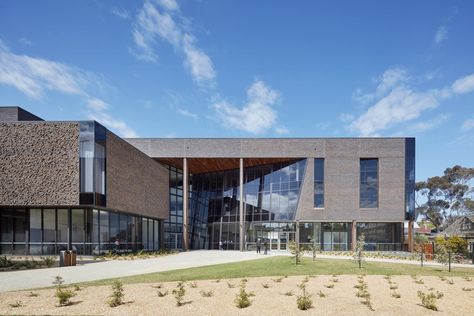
(30, 279)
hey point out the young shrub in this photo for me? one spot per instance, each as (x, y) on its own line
(467, 289)
(33, 294)
(306, 279)
(396, 294)
(179, 293)
(230, 285)
(64, 295)
(393, 286)
(217, 281)
(420, 241)
(162, 294)
(16, 304)
(289, 293)
(265, 285)
(77, 288)
(158, 286)
(193, 284)
(207, 293)
(116, 298)
(419, 281)
(48, 261)
(244, 280)
(334, 280)
(278, 280)
(428, 300)
(329, 286)
(442, 278)
(303, 301)
(297, 251)
(321, 294)
(467, 278)
(242, 299)
(451, 282)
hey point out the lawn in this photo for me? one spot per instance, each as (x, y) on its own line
(281, 266)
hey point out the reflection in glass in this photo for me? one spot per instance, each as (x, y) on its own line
(318, 182)
(369, 183)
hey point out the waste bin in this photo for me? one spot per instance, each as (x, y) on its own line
(73, 255)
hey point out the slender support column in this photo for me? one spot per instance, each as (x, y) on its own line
(185, 205)
(410, 236)
(241, 205)
(297, 235)
(354, 235)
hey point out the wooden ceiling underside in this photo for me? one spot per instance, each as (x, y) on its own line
(204, 165)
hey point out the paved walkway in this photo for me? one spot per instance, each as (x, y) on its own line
(30, 279)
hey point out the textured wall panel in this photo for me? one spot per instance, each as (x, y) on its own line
(135, 182)
(39, 163)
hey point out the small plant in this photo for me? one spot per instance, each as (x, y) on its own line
(63, 295)
(179, 293)
(33, 294)
(242, 299)
(414, 277)
(244, 280)
(77, 287)
(193, 284)
(321, 294)
(335, 280)
(48, 261)
(396, 294)
(297, 251)
(116, 298)
(289, 293)
(467, 289)
(16, 304)
(303, 301)
(451, 282)
(393, 286)
(419, 281)
(265, 285)
(217, 281)
(162, 294)
(467, 278)
(158, 286)
(329, 286)
(359, 253)
(428, 300)
(312, 276)
(278, 280)
(442, 278)
(207, 293)
(230, 285)
(387, 277)
(306, 279)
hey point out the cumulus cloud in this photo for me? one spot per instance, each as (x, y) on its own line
(34, 77)
(161, 20)
(397, 102)
(256, 116)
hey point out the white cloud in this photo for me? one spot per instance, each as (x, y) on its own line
(440, 35)
(464, 84)
(345, 117)
(121, 13)
(282, 130)
(187, 113)
(25, 41)
(256, 115)
(396, 102)
(35, 76)
(400, 105)
(468, 124)
(427, 124)
(161, 21)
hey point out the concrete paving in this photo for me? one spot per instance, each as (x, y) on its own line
(30, 279)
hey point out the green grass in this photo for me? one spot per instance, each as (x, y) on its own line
(278, 266)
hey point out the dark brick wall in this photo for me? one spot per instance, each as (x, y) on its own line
(135, 182)
(39, 163)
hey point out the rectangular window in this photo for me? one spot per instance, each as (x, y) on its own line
(369, 183)
(319, 182)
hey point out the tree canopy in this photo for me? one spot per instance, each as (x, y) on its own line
(446, 197)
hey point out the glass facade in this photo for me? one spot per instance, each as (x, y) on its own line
(381, 236)
(369, 183)
(410, 179)
(173, 227)
(44, 231)
(319, 182)
(92, 155)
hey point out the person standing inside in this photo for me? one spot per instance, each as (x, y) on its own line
(265, 247)
(259, 245)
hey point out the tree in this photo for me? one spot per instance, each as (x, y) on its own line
(420, 241)
(359, 253)
(446, 197)
(297, 251)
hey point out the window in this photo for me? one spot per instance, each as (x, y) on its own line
(369, 183)
(318, 182)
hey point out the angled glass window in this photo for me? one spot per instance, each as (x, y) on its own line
(318, 182)
(369, 183)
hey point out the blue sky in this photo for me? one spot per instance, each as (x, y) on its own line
(206, 68)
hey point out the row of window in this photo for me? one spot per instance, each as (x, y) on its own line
(368, 192)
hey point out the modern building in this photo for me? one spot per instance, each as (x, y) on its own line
(78, 185)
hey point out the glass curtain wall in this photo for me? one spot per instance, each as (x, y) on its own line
(381, 236)
(173, 227)
(410, 179)
(39, 231)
